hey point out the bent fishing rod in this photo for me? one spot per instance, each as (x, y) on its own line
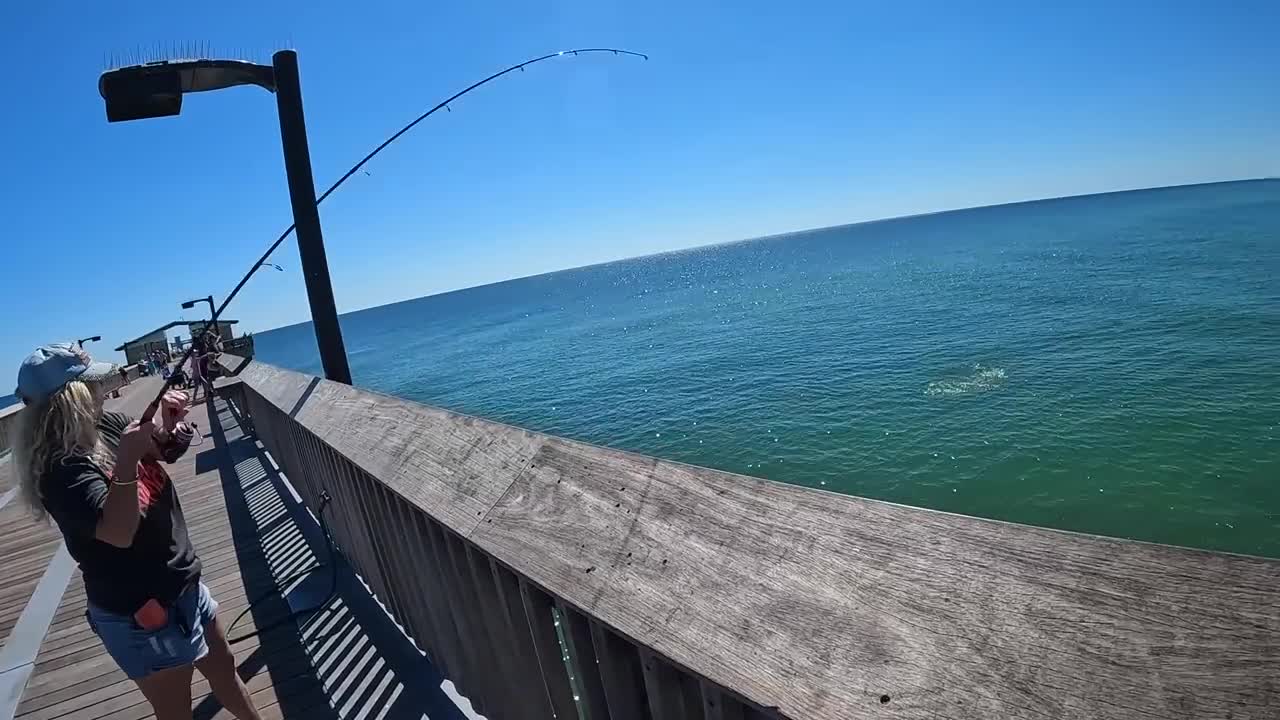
(150, 412)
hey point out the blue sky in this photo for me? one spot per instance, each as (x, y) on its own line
(751, 118)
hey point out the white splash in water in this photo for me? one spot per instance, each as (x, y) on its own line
(982, 379)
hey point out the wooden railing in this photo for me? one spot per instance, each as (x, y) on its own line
(548, 577)
(8, 421)
(9, 415)
(241, 346)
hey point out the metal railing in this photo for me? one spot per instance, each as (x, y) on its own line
(550, 578)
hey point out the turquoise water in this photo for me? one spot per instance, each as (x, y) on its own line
(1108, 364)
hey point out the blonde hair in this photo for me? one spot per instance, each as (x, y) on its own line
(62, 426)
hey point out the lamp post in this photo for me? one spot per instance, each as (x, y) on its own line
(156, 89)
(82, 341)
(212, 320)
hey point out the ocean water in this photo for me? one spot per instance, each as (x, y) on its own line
(1106, 364)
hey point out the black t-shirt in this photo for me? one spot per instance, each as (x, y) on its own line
(160, 564)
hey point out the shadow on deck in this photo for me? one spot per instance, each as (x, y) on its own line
(347, 660)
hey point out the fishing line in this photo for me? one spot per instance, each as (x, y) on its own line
(213, 320)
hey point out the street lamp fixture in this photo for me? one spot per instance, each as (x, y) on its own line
(82, 341)
(155, 90)
(192, 303)
(265, 264)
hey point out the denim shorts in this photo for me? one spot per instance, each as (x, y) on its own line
(141, 652)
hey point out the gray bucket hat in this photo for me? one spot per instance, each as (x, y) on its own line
(52, 366)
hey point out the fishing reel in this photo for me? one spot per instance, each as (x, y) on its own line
(178, 442)
(172, 444)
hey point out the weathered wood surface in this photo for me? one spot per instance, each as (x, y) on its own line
(26, 548)
(816, 604)
(8, 481)
(8, 420)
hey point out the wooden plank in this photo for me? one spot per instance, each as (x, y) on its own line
(341, 482)
(620, 674)
(70, 691)
(266, 689)
(432, 627)
(65, 634)
(28, 556)
(576, 629)
(293, 436)
(487, 690)
(28, 541)
(511, 691)
(369, 564)
(759, 586)
(470, 671)
(358, 488)
(458, 465)
(546, 647)
(8, 423)
(663, 689)
(716, 705)
(319, 465)
(86, 690)
(524, 654)
(29, 546)
(405, 605)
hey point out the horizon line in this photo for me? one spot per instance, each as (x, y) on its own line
(790, 233)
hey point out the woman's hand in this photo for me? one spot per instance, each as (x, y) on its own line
(136, 442)
(173, 408)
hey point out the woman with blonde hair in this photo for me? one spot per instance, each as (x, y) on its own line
(98, 475)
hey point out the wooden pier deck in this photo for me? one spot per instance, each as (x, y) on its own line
(26, 548)
(249, 531)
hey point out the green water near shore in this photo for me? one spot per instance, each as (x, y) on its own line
(1106, 364)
